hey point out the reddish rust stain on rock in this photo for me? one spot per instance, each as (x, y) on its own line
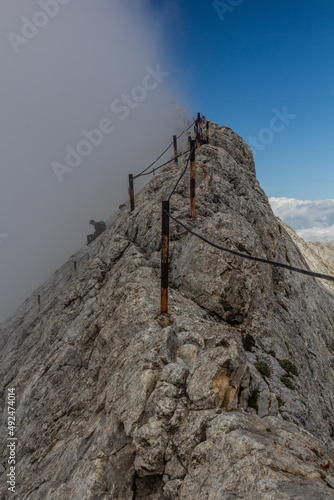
(326, 467)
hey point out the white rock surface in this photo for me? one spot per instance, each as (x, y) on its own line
(114, 401)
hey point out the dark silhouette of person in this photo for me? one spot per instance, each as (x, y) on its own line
(99, 228)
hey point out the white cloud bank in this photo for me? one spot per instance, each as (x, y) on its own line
(85, 100)
(312, 220)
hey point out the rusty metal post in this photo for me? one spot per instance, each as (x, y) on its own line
(164, 257)
(192, 181)
(175, 148)
(208, 132)
(131, 193)
(198, 140)
(39, 301)
(198, 136)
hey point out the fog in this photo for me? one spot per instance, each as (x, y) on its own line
(70, 134)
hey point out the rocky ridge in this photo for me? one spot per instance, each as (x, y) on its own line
(230, 396)
(319, 256)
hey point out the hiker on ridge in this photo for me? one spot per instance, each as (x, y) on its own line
(99, 228)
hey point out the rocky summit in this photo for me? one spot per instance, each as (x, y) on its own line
(229, 396)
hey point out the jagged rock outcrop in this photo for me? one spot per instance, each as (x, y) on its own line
(230, 396)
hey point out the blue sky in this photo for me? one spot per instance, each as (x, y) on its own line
(238, 64)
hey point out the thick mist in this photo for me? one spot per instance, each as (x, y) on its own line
(84, 101)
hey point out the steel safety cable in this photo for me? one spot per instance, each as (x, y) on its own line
(184, 171)
(193, 123)
(160, 166)
(171, 144)
(249, 257)
(178, 137)
(155, 160)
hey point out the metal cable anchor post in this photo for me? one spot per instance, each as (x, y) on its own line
(175, 148)
(192, 180)
(131, 193)
(164, 257)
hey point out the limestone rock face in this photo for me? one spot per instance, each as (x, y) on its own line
(229, 396)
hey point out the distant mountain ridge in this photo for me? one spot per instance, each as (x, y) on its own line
(319, 256)
(312, 220)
